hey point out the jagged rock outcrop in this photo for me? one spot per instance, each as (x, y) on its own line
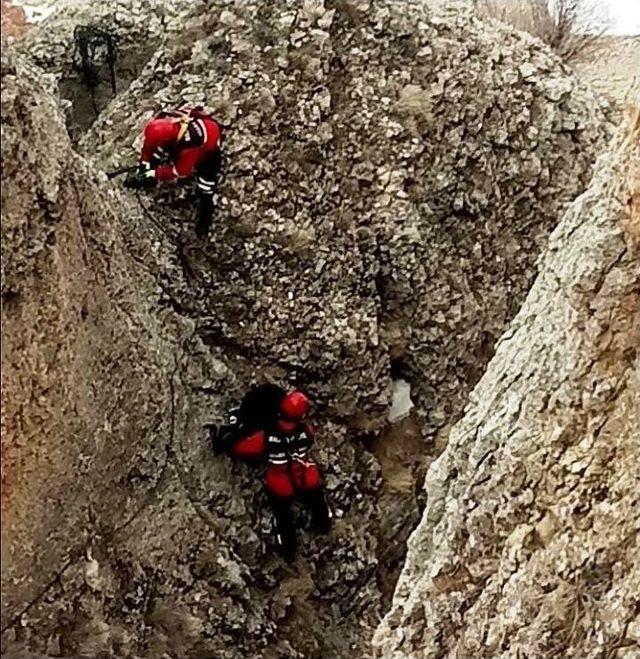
(377, 208)
(385, 197)
(415, 201)
(529, 541)
(121, 534)
(135, 28)
(134, 23)
(86, 351)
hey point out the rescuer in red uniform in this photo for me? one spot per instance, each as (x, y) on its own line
(271, 424)
(178, 145)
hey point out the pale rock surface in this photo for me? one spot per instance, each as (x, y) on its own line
(136, 29)
(528, 545)
(413, 180)
(121, 533)
(384, 204)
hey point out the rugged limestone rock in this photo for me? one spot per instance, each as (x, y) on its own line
(136, 29)
(121, 534)
(529, 542)
(415, 201)
(138, 26)
(377, 208)
(86, 353)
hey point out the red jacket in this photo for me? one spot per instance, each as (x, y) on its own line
(200, 139)
(287, 442)
(290, 472)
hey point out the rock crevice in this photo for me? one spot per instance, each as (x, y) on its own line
(528, 543)
(377, 209)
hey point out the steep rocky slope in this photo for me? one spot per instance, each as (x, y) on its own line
(529, 542)
(416, 177)
(87, 353)
(379, 210)
(129, 31)
(409, 164)
(121, 534)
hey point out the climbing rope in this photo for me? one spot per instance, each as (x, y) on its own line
(94, 45)
(183, 249)
(153, 220)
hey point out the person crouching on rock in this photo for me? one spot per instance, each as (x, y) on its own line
(178, 145)
(271, 424)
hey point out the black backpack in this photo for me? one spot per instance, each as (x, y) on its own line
(260, 407)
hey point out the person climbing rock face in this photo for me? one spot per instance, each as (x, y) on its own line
(178, 145)
(271, 424)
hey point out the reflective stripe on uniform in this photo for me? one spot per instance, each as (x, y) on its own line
(197, 132)
(206, 186)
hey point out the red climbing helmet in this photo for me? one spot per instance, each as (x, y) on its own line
(161, 132)
(295, 405)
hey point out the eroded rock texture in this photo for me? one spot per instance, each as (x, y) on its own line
(121, 533)
(529, 542)
(86, 357)
(117, 38)
(386, 197)
(391, 177)
(14, 21)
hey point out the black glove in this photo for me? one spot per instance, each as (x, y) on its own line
(221, 438)
(141, 181)
(212, 429)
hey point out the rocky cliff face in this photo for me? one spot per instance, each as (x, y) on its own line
(380, 215)
(529, 541)
(116, 38)
(87, 352)
(417, 200)
(121, 534)
(414, 201)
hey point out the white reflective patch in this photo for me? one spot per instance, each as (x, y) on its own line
(401, 403)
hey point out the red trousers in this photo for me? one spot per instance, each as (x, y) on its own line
(288, 480)
(283, 481)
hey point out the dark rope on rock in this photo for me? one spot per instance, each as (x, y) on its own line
(76, 554)
(152, 219)
(182, 246)
(93, 44)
